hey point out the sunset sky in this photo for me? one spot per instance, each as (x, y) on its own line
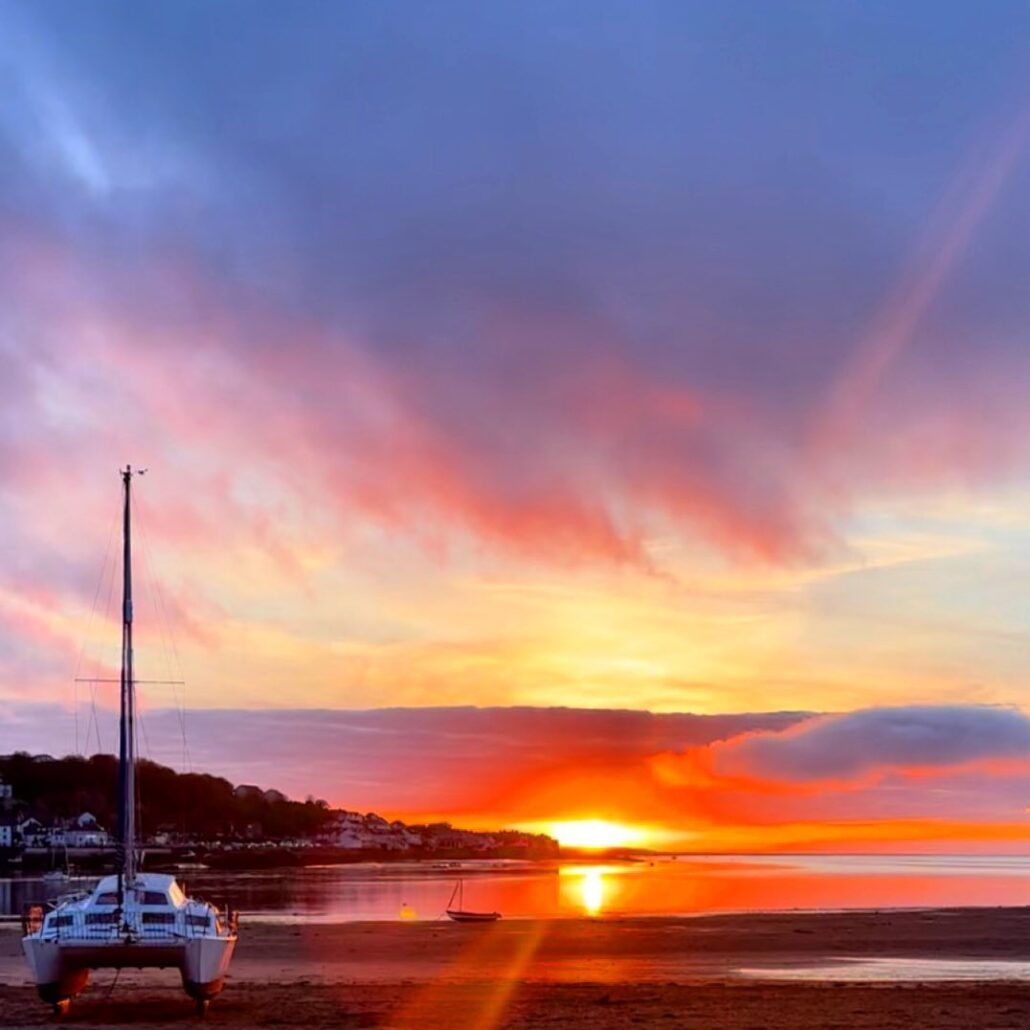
(553, 412)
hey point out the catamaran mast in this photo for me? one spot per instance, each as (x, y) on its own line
(127, 727)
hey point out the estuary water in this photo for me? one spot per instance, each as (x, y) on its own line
(660, 885)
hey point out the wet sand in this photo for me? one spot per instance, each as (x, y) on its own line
(578, 973)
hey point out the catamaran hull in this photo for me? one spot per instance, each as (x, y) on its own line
(61, 967)
(206, 963)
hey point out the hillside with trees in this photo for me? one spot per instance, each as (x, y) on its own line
(198, 804)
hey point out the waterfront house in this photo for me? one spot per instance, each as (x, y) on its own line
(84, 832)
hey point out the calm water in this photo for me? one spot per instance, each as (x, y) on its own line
(896, 970)
(668, 886)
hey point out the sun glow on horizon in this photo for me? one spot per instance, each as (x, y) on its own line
(597, 833)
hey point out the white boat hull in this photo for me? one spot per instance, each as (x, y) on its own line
(61, 967)
(206, 963)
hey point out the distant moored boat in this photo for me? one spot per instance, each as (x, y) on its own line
(463, 915)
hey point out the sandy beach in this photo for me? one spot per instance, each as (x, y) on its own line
(733, 972)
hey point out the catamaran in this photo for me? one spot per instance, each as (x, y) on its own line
(131, 919)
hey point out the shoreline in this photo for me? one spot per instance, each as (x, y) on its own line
(263, 918)
(271, 918)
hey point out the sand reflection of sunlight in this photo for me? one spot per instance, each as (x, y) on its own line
(473, 990)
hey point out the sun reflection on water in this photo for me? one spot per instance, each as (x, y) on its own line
(592, 889)
(587, 889)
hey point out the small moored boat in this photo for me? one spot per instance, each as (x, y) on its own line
(462, 915)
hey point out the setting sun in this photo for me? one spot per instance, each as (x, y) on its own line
(596, 833)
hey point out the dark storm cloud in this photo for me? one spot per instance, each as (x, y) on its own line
(400, 759)
(843, 747)
(489, 761)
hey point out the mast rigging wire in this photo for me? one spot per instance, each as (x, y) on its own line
(89, 630)
(173, 662)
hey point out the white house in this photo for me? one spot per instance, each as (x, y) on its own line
(85, 832)
(354, 830)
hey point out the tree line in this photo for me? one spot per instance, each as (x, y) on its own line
(194, 804)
